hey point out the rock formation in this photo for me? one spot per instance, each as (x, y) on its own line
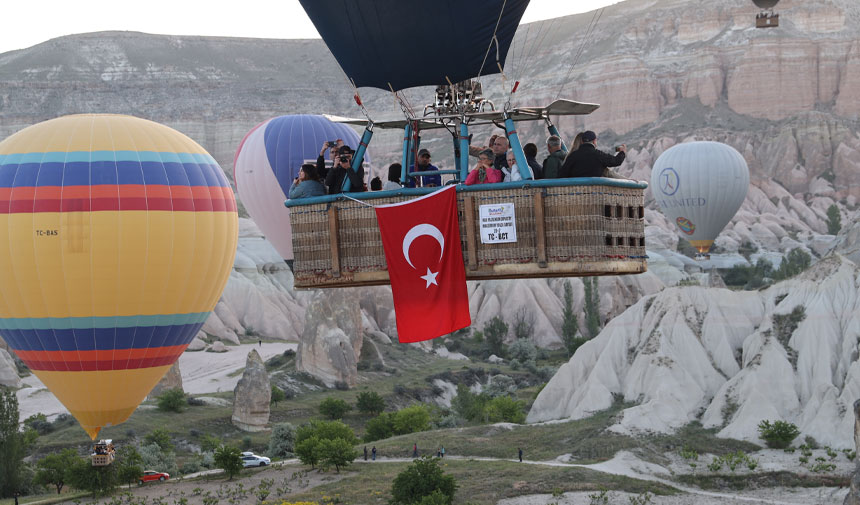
(171, 380)
(728, 359)
(252, 396)
(333, 336)
(8, 371)
(853, 496)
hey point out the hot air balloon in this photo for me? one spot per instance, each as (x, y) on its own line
(766, 18)
(267, 161)
(120, 236)
(700, 186)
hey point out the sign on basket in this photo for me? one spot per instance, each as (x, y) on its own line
(498, 223)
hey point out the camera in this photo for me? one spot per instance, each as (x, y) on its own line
(617, 149)
(331, 143)
(344, 158)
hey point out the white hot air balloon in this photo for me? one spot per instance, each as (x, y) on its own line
(700, 186)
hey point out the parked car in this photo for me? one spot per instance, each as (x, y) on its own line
(251, 459)
(151, 475)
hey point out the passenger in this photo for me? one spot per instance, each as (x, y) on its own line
(513, 173)
(423, 165)
(577, 141)
(475, 150)
(393, 181)
(530, 150)
(587, 161)
(332, 148)
(376, 184)
(307, 184)
(343, 168)
(500, 149)
(484, 172)
(552, 163)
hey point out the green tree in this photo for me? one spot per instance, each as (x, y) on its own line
(129, 465)
(592, 306)
(411, 419)
(52, 470)
(795, 262)
(495, 331)
(39, 422)
(370, 402)
(282, 441)
(159, 437)
(172, 400)
(504, 409)
(12, 444)
(334, 408)
(522, 350)
(524, 324)
(229, 459)
(337, 453)
(154, 458)
(834, 220)
(420, 479)
(469, 405)
(569, 323)
(380, 427)
(277, 395)
(306, 450)
(99, 480)
(777, 435)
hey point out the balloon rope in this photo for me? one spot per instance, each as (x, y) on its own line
(492, 39)
(357, 200)
(595, 18)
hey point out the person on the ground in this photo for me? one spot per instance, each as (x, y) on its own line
(415, 450)
(530, 150)
(552, 164)
(373, 453)
(365, 453)
(442, 451)
(484, 172)
(513, 173)
(306, 185)
(393, 181)
(500, 150)
(588, 161)
(342, 170)
(422, 164)
(520, 451)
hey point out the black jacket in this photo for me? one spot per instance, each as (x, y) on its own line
(335, 176)
(587, 161)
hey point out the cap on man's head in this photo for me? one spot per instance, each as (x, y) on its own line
(345, 150)
(422, 152)
(589, 136)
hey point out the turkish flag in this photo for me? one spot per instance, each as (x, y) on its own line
(421, 239)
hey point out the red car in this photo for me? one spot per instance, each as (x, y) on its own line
(151, 475)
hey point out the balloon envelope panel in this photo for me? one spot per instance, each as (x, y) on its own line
(122, 234)
(699, 186)
(269, 158)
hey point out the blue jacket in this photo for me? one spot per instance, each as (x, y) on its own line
(426, 180)
(306, 189)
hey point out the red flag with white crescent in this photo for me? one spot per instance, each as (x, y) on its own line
(421, 239)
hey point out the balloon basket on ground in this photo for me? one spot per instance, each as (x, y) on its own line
(562, 228)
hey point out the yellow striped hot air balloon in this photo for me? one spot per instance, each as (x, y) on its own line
(120, 235)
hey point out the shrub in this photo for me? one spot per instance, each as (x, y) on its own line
(341, 386)
(380, 427)
(277, 395)
(39, 422)
(172, 400)
(422, 479)
(834, 220)
(370, 402)
(159, 437)
(229, 459)
(504, 409)
(247, 443)
(795, 262)
(282, 441)
(494, 333)
(777, 435)
(411, 419)
(334, 408)
(155, 458)
(523, 350)
(208, 442)
(524, 324)
(592, 306)
(95, 479)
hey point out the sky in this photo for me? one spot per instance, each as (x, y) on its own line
(31, 22)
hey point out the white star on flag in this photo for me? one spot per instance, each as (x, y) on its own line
(430, 278)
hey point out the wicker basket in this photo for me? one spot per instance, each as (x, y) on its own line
(562, 231)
